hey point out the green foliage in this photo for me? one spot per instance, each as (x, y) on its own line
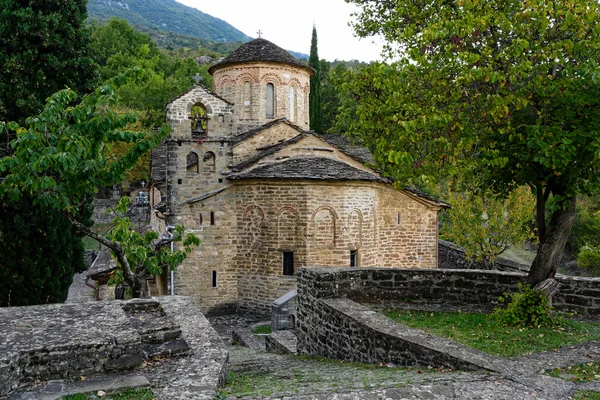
(171, 16)
(504, 90)
(119, 48)
(589, 258)
(43, 48)
(141, 251)
(262, 329)
(60, 160)
(586, 395)
(526, 308)
(40, 253)
(485, 333)
(314, 98)
(485, 225)
(69, 162)
(586, 228)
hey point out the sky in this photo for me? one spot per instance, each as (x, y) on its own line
(288, 24)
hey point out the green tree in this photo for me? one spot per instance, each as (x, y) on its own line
(486, 225)
(44, 46)
(118, 47)
(314, 98)
(59, 160)
(507, 91)
(40, 253)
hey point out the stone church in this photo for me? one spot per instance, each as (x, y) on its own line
(266, 195)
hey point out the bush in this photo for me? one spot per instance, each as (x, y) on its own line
(589, 258)
(528, 307)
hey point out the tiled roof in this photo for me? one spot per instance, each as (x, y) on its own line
(264, 152)
(254, 131)
(260, 50)
(317, 168)
(426, 196)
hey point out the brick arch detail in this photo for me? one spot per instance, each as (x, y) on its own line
(248, 209)
(355, 234)
(324, 236)
(246, 77)
(271, 78)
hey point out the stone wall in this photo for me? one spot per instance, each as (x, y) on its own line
(343, 329)
(61, 341)
(331, 321)
(430, 286)
(321, 224)
(214, 221)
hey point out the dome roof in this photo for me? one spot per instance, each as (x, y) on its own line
(260, 50)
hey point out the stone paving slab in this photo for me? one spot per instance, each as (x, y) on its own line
(561, 358)
(55, 389)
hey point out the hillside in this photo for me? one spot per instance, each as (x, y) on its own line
(167, 15)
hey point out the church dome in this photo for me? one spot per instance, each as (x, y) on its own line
(260, 50)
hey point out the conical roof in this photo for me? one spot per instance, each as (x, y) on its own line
(260, 50)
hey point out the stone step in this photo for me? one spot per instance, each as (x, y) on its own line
(177, 347)
(168, 334)
(282, 342)
(56, 389)
(247, 338)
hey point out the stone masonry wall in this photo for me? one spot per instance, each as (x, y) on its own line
(322, 223)
(250, 108)
(216, 253)
(218, 111)
(427, 286)
(332, 323)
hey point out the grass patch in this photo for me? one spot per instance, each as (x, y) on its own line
(586, 372)
(262, 329)
(129, 394)
(586, 395)
(483, 332)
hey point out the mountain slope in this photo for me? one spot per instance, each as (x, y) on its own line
(167, 15)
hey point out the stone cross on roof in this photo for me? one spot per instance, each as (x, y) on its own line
(197, 78)
(259, 33)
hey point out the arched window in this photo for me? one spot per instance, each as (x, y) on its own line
(247, 99)
(292, 104)
(199, 120)
(208, 165)
(270, 100)
(192, 163)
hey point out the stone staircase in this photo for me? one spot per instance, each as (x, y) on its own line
(160, 336)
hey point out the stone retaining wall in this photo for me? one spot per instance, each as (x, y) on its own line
(446, 286)
(343, 329)
(332, 323)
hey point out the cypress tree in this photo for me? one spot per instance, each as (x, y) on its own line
(314, 99)
(44, 46)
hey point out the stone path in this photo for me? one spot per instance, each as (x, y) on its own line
(262, 375)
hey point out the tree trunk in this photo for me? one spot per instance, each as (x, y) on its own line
(553, 243)
(540, 207)
(139, 286)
